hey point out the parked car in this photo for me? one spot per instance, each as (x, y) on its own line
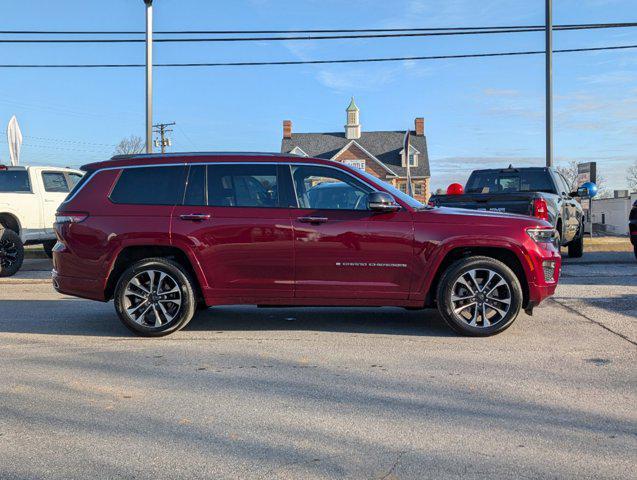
(535, 191)
(164, 235)
(29, 198)
(632, 226)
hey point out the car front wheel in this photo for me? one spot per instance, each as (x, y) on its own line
(11, 252)
(479, 296)
(155, 297)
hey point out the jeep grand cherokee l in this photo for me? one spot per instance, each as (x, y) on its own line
(162, 235)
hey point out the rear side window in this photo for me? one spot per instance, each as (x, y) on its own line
(55, 182)
(493, 181)
(150, 186)
(14, 181)
(243, 185)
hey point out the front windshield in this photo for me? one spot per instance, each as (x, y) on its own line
(403, 197)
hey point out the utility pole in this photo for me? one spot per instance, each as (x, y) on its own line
(149, 76)
(549, 83)
(162, 130)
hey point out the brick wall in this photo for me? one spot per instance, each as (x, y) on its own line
(371, 166)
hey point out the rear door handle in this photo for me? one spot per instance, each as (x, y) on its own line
(312, 219)
(195, 217)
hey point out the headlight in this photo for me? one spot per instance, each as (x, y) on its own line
(542, 235)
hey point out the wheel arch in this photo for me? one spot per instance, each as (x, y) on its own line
(133, 253)
(10, 221)
(503, 254)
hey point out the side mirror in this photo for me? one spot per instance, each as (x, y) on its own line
(586, 190)
(382, 202)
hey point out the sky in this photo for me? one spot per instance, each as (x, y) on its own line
(485, 112)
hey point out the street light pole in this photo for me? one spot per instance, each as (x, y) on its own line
(549, 84)
(149, 76)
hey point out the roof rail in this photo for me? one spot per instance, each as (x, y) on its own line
(195, 154)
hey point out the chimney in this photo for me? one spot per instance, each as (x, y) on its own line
(287, 129)
(420, 126)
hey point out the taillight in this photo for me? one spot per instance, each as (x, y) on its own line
(540, 210)
(75, 217)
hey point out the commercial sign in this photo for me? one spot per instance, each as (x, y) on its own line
(586, 172)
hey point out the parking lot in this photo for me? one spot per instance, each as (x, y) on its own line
(321, 393)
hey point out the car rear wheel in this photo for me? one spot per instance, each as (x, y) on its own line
(11, 252)
(479, 296)
(155, 297)
(576, 246)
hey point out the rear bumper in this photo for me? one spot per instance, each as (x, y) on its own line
(78, 287)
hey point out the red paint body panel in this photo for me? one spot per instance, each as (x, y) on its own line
(267, 256)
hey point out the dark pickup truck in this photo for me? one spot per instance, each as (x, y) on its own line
(536, 191)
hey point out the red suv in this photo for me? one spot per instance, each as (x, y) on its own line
(164, 235)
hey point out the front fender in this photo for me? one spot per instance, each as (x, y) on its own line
(431, 256)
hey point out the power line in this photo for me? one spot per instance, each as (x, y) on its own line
(314, 37)
(350, 30)
(317, 62)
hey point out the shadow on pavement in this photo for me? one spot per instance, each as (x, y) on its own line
(79, 317)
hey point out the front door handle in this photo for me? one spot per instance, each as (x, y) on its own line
(312, 219)
(195, 217)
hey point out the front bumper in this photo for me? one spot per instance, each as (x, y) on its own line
(541, 261)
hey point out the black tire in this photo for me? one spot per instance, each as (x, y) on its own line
(178, 280)
(48, 248)
(635, 248)
(576, 246)
(495, 322)
(11, 252)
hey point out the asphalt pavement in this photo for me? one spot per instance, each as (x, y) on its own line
(320, 392)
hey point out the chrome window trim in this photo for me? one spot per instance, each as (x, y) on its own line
(186, 164)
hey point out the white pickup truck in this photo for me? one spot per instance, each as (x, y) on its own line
(29, 197)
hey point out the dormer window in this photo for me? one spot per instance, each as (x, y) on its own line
(413, 157)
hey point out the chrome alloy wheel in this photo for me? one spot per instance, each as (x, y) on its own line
(152, 298)
(481, 297)
(8, 253)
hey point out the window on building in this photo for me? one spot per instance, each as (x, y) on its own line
(243, 185)
(328, 188)
(403, 187)
(55, 182)
(360, 164)
(413, 160)
(418, 188)
(150, 186)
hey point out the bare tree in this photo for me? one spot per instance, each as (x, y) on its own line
(569, 171)
(631, 176)
(130, 145)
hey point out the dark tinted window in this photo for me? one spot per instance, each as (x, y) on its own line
(196, 186)
(55, 182)
(243, 185)
(150, 186)
(14, 181)
(73, 179)
(503, 181)
(81, 181)
(328, 188)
